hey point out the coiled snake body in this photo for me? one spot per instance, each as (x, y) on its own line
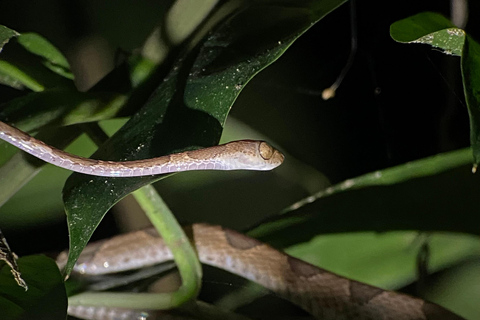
(320, 292)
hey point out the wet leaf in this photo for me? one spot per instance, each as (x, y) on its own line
(190, 106)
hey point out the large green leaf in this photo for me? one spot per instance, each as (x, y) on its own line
(190, 106)
(435, 30)
(45, 298)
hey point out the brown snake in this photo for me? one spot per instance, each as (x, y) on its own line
(322, 293)
(236, 155)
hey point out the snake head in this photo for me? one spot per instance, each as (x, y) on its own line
(252, 155)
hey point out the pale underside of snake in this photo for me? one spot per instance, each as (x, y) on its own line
(322, 293)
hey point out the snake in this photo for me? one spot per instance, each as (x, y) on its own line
(322, 293)
(235, 155)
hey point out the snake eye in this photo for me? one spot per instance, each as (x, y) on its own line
(266, 151)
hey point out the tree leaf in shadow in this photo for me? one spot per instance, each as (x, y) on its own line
(190, 106)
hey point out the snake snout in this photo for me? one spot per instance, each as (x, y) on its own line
(277, 158)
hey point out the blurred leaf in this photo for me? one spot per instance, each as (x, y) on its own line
(60, 107)
(471, 87)
(35, 64)
(46, 297)
(53, 58)
(414, 169)
(435, 30)
(357, 256)
(458, 290)
(190, 106)
(14, 77)
(5, 35)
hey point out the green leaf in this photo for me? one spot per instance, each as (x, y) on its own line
(46, 297)
(14, 77)
(471, 87)
(60, 107)
(31, 64)
(435, 30)
(429, 28)
(53, 58)
(189, 108)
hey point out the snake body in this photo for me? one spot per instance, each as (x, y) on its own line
(323, 294)
(236, 155)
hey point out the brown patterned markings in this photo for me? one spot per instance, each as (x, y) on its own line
(203, 154)
(433, 311)
(240, 241)
(361, 293)
(302, 268)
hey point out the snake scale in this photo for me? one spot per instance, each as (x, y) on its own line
(320, 292)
